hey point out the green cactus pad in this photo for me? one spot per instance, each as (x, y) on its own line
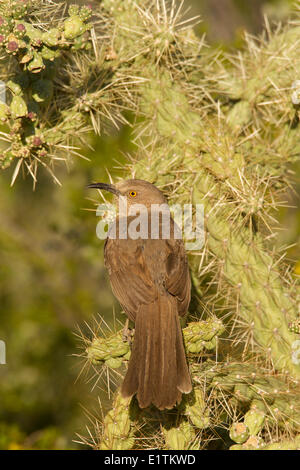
(18, 107)
(179, 437)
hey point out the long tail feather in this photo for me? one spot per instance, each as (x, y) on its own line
(157, 370)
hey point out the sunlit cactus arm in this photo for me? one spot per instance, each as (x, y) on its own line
(117, 430)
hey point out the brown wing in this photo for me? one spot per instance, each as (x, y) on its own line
(130, 278)
(178, 281)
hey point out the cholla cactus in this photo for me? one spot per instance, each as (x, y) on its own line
(224, 137)
(205, 132)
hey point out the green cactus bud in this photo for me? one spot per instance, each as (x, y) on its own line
(117, 430)
(104, 349)
(42, 90)
(6, 25)
(179, 437)
(259, 405)
(27, 56)
(243, 392)
(195, 347)
(51, 38)
(18, 84)
(4, 112)
(204, 330)
(85, 13)
(195, 408)
(294, 326)
(34, 34)
(36, 65)
(210, 344)
(18, 107)
(238, 433)
(73, 27)
(81, 42)
(19, 10)
(198, 335)
(254, 420)
(127, 355)
(73, 10)
(114, 363)
(49, 54)
(5, 160)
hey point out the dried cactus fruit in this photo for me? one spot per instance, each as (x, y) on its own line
(19, 30)
(253, 443)
(239, 433)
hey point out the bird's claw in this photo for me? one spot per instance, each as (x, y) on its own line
(128, 333)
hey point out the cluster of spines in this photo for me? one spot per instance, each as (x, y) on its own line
(113, 349)
(31, 59)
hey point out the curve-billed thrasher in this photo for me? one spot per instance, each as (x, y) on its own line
(150, 278)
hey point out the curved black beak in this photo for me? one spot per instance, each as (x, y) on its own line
(106, 187)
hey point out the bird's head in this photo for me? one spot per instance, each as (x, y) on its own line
(135, 191)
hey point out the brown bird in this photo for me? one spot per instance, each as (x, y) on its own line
(151, 280)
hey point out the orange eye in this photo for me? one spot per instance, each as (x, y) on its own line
(132, 193)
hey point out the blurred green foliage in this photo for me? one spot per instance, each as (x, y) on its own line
(52, 276)
(51, 280)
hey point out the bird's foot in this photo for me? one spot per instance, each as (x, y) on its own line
(128, 333)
